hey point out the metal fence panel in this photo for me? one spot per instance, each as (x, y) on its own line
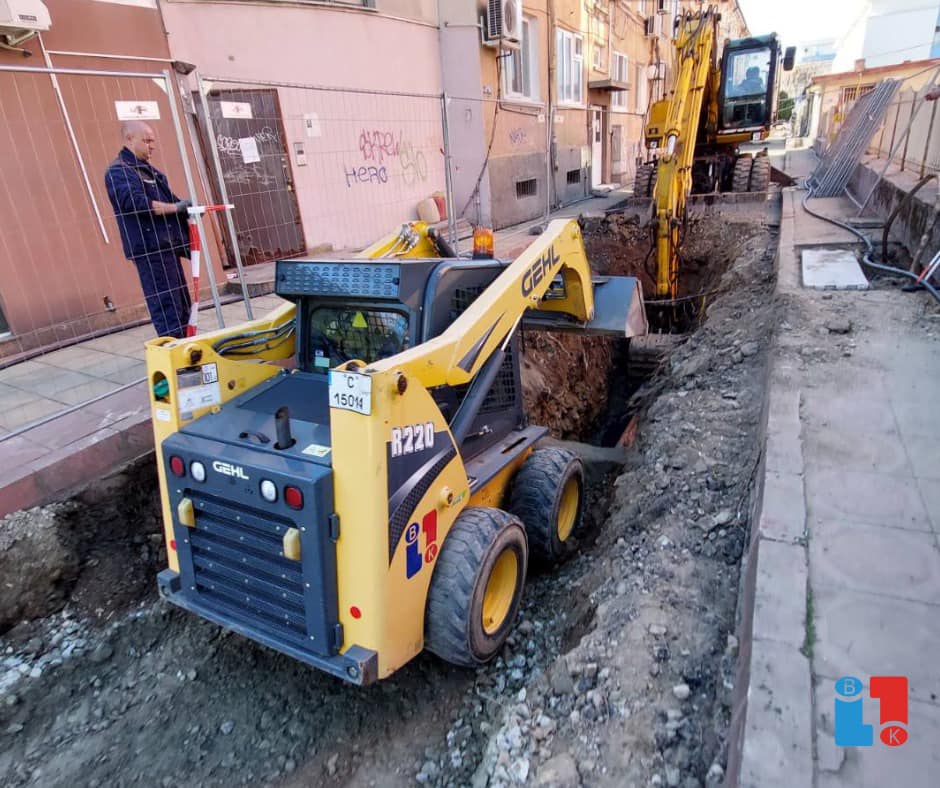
(64, 275)
(310, 167)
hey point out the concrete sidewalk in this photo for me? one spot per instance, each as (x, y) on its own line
(845, 560)
(77, 413)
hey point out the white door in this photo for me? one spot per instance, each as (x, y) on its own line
(597, 149)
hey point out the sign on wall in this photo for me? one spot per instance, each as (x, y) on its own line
(137, 110)
(236, 109)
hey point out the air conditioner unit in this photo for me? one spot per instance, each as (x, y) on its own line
(649, 27)
(504, 23)
(20, 19)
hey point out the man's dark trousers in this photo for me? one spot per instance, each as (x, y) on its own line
(164, 286)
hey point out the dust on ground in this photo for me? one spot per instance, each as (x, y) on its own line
(617, 673)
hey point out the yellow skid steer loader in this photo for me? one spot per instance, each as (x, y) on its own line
(383, 494)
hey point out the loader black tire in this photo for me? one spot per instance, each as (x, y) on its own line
(741, 180)
(468, 618)
(548, 496)
(644, 184)
(760, 174)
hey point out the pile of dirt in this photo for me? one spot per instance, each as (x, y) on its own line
(95, 552)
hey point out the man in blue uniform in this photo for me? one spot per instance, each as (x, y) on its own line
(152, 221)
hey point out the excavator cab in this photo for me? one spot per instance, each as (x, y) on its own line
(748, 96)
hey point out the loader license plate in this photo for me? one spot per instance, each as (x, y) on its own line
(351, 391)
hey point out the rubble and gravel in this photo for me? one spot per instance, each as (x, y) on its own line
(619, 671)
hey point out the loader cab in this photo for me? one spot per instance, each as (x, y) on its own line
(368, 311)
(749, 72)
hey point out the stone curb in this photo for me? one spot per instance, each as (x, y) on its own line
(770, 741)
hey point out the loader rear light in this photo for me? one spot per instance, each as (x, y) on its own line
(173, 545)
(268, 490)
(198, 470)
(293, 497)
(177, 466)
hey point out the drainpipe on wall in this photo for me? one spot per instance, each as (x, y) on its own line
(550, 111)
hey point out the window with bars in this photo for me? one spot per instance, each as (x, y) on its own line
(574, 177)
(570, 69)
(855, 92)
(521, 66)
(620, 73)
(527, 188)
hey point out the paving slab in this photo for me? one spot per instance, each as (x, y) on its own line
(858, 449)
(778, 732)
(784, 452)
(862, 634)
(915, 764)
(12, 418)
(783, 411)
(783, 511)
(930, 495)
(876, 560)
(780, 593)
(864, 497)
(77, 357)
(832, 269)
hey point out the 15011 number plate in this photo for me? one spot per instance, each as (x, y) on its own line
(351, 391)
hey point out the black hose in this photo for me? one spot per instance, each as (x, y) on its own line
(894, 214)
(866, 258)
(443, 247)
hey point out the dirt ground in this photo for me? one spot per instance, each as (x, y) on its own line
(618, 673)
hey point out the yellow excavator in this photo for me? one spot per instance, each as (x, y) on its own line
(353, 478)
(693, 135)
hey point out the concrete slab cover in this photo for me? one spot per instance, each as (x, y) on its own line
(832, 269)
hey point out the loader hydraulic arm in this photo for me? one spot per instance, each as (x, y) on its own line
(696, 83)
(457, 355)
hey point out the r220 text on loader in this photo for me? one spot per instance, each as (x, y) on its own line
(385, 495)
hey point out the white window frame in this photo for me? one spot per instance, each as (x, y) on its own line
(569, 56)
(619, 72)
(641, 91)
(526, 56)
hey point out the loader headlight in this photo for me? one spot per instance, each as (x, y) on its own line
(268, 490)
(198, 470)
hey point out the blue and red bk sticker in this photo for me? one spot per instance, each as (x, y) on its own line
(416, 554)
(891, 694)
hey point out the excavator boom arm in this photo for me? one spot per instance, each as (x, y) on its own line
(696, 77)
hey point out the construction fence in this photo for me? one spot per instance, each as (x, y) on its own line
(907, 138)
(308, 169)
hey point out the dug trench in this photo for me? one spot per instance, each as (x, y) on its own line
(618, 671)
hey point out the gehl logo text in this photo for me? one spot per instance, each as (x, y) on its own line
(227, 469)
(544, 266)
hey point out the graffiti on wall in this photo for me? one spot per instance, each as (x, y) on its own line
(518, 136)
(231, 146)
(378, 150)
